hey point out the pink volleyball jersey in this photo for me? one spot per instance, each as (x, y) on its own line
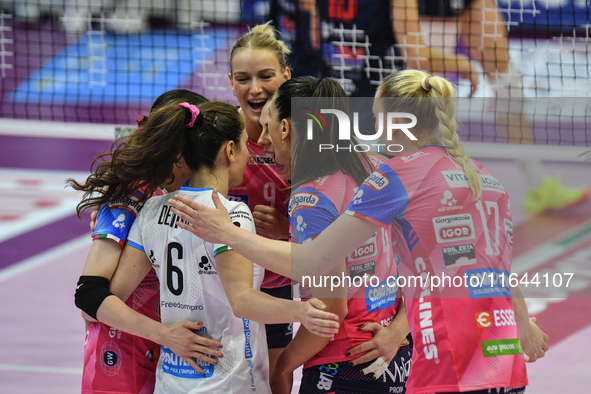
(261, 185)
(465, 335)
(313, 207)
(115, 361)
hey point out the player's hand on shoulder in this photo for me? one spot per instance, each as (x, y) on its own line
(210, 224)
(270, 222)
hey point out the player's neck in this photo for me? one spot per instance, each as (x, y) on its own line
(205, 179)
(253, 131)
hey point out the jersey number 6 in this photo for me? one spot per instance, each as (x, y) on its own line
(173, 269)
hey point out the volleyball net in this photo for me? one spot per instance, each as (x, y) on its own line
(82, 69)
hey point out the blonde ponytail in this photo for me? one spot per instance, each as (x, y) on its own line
(413, 83)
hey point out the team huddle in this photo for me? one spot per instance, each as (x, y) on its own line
(207, 215)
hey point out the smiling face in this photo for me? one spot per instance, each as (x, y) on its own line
(256, 75)
(276, 138)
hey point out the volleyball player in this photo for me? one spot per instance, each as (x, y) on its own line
(258, 64)
(199, 282)
(331, 180)
(115, 361)
(455, 349)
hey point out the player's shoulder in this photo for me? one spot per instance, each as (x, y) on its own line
(234, 206)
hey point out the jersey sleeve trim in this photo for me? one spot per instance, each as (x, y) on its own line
(367, 218)
(220, 250)
(136, 245)
(109, 236)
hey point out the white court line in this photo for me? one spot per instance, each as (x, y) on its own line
(551, 249)
(41, 369)
(44, 257)
(38, 218)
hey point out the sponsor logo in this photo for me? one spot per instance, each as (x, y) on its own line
(413, 156)
(300, 224)
(501, 347)
(119, 222)
(176, 366)
(261, 160)
(247, 335)
(368, 249)
(131, 204)
(377, 181)
(500, 318)
(488, 283)
(380, 296)
(368, 268)
(302, 200)
(114, 333)
(483, 319)
(205, 267)
(238, 198)
(357, 197)
(453, 228)
(459, 179)
(110, 358)
(327, 374)
(459, 255)
(426, 314)
(178, 305)
(449, 202)
(509, 232)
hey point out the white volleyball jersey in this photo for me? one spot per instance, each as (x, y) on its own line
(190, 289)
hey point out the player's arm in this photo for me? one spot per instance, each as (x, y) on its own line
(112, 310)
(533, 340)
(101, 261)
(314, 258)
(418, 55)
(305, 344)
(236, 274)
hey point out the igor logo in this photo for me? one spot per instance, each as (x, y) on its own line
(453, 228)
(345, 129)
(456, 232)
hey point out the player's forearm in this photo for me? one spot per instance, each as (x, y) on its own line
(116, 313)
(521, 312)
(271, 254)
(258, 306)
(303, 347)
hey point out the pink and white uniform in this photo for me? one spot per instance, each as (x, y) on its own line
(465, 335)
(313, 207)
(115, 361)
(261, 185)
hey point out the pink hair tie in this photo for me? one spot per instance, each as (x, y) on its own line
(194, 113)
(141, 120)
